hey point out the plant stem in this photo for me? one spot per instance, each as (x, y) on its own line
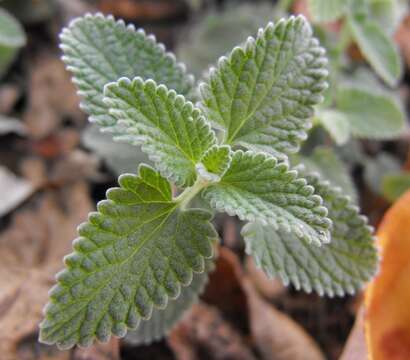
(189, 193)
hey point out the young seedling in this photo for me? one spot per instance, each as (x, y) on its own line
(144, 256)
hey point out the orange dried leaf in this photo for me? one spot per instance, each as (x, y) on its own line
(387, 299)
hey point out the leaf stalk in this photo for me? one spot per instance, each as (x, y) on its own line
(189, 193)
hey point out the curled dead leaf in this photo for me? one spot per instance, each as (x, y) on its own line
(9, 95)
(31, 252)
(99, 351)
(50, 83)
(275, 334)
(142, 9)
(269, 288)
(387, 321)
(224, 288)
(23, 294)
(204, 334)
(356, 348)
(18, 190)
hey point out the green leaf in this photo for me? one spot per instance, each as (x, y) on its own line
(132, 255)
(263, 94)
(377, 48)
(215, 162)
(358, 8)
(12, 37)
(326, 10)
(388, 13)
(171, 130)
(327, 164)
(162, 321)
(376, 168)
(370, 114)
(99, 50)
(336, 123)
(120, 157)
(340, 267)
(204, 44)
(395, 185)
(256, 186)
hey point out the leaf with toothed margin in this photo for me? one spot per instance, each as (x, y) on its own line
(162, 321)
(256, 186)
(325, 162)
(262, 95)
(170, 129)
(132, 256)
(98, 50)
(214, 163)
(337, 268)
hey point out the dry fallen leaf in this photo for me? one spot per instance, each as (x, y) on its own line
(34, 169)
(356, 348)
(31, 252)
(23, 293)
(9, 95)
(224, 289)
(11, 125)
(211, 331)
(142, 9)
(52, 97)
(269, 288)
(99, 351)
(18, 190)
(387, 300)
(276, 335)
(204, 334)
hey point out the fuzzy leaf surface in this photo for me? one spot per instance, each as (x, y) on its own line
(204, 44)
(377, 48)
(256, 186)
(328, 165)
(371, 114)
(170, 129)
(163, 320)
(336, 124)
(119, 157)
(263, 93)
(132, 256)
(337, 268)
(98, 50)
(215, 162)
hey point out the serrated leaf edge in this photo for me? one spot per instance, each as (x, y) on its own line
(220, 206)
(250, 45)
(165, 171)
(351, 288)
(76, 246)
(75, 71)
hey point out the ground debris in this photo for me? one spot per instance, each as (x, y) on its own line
(204, 334)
